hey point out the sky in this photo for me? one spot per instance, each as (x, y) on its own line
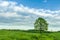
(21, 14)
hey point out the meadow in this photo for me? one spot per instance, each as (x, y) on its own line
(28, 35)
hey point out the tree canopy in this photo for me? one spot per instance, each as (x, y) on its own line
(41, 24)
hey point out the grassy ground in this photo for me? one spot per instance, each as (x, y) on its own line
(28, 35)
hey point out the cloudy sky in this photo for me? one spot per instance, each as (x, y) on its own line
(21, 14)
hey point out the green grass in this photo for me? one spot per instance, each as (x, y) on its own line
(28, 35)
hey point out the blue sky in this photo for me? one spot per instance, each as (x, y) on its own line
(21, 14)
(46, 4)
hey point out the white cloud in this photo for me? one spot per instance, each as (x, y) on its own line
(33, 11)
(8, 14)
(57, 17)
(21, 8)
(4, 4)
(10, 9)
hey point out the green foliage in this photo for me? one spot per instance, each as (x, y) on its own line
(41, 24)
(28, 35)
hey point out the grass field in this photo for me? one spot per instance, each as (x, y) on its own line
(28, 35)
